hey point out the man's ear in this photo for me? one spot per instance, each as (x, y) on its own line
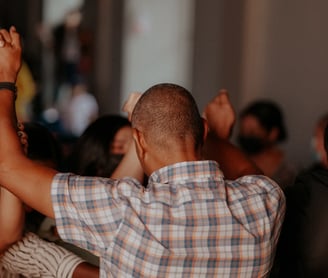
(140, 142)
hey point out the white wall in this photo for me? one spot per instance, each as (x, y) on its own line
(157, 44)
(285, 59)
(54, 11)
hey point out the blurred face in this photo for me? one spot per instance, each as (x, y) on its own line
(253, 137)
(250, 126)
(318, 145)
(122, 141)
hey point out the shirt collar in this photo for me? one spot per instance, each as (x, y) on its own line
(188, 170)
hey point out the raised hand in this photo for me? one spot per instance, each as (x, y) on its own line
(10, 54)
(220, 115)
(131, 103)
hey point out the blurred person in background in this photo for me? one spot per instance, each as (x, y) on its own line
(79, 107)
(303, 246)
(102, 145)
(318, 144)
(67, 47)
(261, 131)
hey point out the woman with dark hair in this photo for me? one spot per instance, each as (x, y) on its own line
(261, 130)
(101, 147)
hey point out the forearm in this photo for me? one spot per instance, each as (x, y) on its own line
(233, 162)
(220, 117)
(29, 181)
(11, 224)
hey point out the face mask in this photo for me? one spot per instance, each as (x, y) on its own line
(315, 155)
(114, 160)
(106, 170)
(251, 144)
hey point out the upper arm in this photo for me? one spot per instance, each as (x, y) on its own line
(233, 162)
(30, 182)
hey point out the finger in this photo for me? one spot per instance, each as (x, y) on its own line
(6, 36)
(223, 97)
(223, 91)
(2, 41)
(15, 37)
(24, 141)
(131, 102)
(20, 133)
(20, 126)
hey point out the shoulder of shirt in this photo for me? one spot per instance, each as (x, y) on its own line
(254, 184)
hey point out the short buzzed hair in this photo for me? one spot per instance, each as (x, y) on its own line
(167, 112)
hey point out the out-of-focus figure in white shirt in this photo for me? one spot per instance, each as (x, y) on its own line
(80, 110)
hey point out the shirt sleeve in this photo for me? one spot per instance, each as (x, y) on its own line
(34, 257)
(259, 204)
(89, 210)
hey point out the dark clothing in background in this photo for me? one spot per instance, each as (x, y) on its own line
(303, 246)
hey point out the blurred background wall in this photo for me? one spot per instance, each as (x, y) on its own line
(256, 49)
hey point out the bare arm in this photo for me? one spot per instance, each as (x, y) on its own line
(11, 219)
(130, 165)
(86, 270)
(12, 224)
(220, 117)
(29, 181)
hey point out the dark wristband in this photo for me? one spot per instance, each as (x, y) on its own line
(9, 86)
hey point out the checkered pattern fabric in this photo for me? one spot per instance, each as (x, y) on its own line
(188, 222)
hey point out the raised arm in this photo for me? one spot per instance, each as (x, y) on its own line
(220, 117)
(12, 224)
(130, 165)
(29, 181)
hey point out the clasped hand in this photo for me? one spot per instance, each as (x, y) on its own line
(10, 55)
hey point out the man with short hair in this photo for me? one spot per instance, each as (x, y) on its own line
(189, 220)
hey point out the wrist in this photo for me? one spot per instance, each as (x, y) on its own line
(11, 86)
(8, 76)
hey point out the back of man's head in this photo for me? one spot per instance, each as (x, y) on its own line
(167, 113)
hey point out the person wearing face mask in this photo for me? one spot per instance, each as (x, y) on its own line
(261, 131)
(317, 144)
(303, 244)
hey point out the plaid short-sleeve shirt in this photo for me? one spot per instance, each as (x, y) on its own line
(188, 222)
